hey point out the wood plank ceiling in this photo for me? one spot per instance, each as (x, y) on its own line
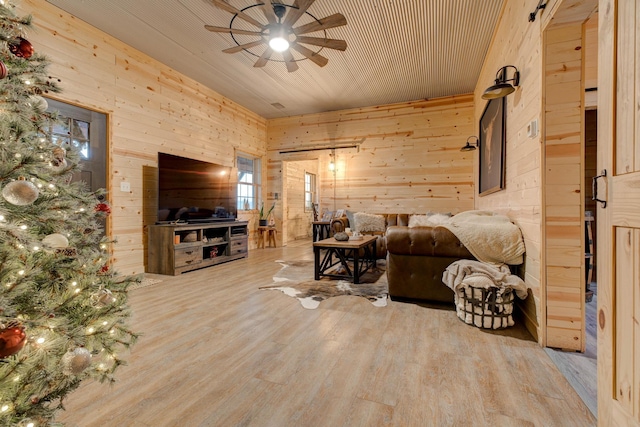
(398, 50)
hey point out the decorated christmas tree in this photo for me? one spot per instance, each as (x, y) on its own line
(63, 310)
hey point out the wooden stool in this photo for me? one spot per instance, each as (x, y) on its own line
(270, 233)
(589, 259)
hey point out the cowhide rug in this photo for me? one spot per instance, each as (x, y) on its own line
(295, 279)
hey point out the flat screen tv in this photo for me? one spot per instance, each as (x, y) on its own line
(194, 191)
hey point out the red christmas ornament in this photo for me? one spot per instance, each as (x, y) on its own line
(21, 48)
(3, 70)
(104, 269)
(103, 207)
(12, 339)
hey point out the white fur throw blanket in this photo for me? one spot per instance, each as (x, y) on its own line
(489, 236)
(468, 278)
(368, 223)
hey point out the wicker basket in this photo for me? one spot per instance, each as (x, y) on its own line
(490, 308)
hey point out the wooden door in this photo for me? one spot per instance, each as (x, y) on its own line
(619, 228)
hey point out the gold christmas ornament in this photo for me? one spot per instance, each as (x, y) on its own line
(76, 361)
(59, 162)
(59, 153)
(20, 192)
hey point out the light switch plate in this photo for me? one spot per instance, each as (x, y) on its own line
(532, 129)
(125, 186)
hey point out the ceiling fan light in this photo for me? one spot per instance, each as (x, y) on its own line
(279, 44)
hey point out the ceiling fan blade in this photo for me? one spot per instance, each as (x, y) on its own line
(242, 47)
(335, 20)
(315, 57)
(289, 61)
(264, 58)
(231, 30)
(226, 6)
(267, 8)
(295, 14)
(328, 43)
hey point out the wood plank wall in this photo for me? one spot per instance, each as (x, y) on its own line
(564, 181)
(151, 109)
(591, 62)
(520, 43)
(408, 160)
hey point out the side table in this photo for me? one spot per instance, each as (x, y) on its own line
(321, 230)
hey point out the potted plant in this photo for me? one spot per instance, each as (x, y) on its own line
(264, 218)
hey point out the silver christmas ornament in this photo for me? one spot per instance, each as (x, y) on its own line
(55, 241)
(104, 297)
(39, 103)
(20, 192)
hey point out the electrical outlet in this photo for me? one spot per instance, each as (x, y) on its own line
(125, 186)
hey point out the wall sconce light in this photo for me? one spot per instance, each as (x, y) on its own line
(501, 88)
(470, 146)
(332, 163)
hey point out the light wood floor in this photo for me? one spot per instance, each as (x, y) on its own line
(217, 351)
(581, 369)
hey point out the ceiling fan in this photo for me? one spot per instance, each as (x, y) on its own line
(279, 33)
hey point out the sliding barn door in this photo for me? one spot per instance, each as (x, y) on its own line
(619, 232)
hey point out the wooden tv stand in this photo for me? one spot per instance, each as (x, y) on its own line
(178, 248)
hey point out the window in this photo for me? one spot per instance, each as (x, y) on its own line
(309, 191)
(248, 182)
(70, 131)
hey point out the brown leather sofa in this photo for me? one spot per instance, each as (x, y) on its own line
(416, 257)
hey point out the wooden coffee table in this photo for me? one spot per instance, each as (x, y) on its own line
(337, 252)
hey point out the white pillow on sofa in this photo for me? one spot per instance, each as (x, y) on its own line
(365, 222)
(438, 218)
(428, 220)
(419, 221)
